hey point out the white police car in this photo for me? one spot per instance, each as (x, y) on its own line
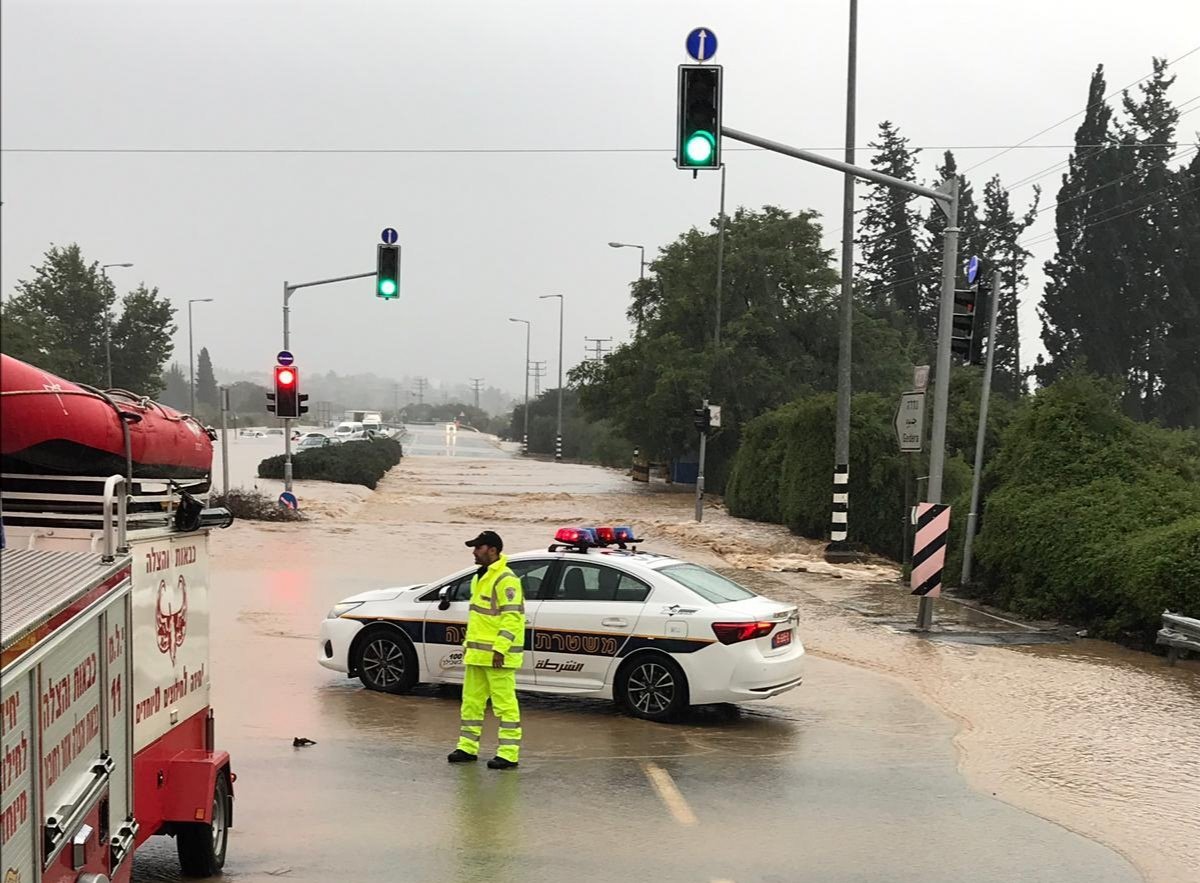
(603, 619)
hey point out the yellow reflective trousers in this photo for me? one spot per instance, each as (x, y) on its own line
(500, 686)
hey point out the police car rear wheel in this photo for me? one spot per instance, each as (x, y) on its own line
(386, 661)
(653, 687)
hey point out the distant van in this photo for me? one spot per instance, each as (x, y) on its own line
(348, 431)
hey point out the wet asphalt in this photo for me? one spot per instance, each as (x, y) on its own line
(849, 778)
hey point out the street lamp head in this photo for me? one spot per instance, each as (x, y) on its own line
(544, 296)
(616, 245)
(200, 300)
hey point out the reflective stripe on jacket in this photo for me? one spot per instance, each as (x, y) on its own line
(496, 621)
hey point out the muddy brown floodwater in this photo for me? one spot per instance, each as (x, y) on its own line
(1102, 741)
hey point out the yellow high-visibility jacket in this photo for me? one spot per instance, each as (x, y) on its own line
(496, 621)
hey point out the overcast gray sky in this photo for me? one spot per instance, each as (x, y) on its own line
(485, 234)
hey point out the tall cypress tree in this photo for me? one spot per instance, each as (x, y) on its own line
(888, 233)
(1000, 236)
(1179, 403)
(1148, 139)
(970, 242)
(1083, 310)
(206, 381)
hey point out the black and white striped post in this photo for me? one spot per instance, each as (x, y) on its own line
(558, 447)
(840, 515)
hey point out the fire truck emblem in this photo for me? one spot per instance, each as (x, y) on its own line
(171, 624)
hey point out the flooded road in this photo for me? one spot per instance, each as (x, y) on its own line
(900, 758)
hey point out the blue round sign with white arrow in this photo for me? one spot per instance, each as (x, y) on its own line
(389, 236)
(701, 44)
(972, 269)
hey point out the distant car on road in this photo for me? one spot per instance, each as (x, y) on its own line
(656, 633)
(314, 440)
(349, 430)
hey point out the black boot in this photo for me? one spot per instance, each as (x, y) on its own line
(460, 756)
(499, 763)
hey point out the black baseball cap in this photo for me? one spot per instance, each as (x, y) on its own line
(487, 538)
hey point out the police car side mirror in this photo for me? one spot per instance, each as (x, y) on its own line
(444, 603)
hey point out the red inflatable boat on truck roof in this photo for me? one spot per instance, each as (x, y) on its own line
(107, 732)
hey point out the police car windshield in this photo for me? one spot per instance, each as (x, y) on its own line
(708, 585)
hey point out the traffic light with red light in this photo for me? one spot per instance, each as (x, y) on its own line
(287, 392)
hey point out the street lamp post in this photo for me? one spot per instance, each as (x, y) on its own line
(525, 437)
(558, 435)
(108, 326)
(191, 358)
(641, 248)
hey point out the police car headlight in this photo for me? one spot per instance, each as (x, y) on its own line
(343, 608)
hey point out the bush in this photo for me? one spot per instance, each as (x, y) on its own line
(255, 506)
(1094, 518)
(783, 471)
(356, 462)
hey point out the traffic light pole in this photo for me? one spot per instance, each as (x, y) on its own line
(981, 432)
(288, 291)
(700, 473)
(946, 196)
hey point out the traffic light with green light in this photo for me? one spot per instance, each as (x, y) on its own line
(387, 272)
(698, 139)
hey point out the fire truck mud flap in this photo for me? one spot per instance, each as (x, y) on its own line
(193, 777)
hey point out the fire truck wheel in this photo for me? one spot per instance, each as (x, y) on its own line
(202, 846)
(386, 661)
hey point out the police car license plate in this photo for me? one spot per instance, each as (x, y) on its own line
(782, 639)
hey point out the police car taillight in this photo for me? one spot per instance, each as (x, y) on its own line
(736, 632)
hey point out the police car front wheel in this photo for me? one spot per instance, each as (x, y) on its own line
(386, 661)
(653, 687)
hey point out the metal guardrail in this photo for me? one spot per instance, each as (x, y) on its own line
(1179, 633)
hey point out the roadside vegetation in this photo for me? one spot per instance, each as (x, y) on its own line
(255, 506)
(355, 462)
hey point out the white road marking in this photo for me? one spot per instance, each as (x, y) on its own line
(669, 794)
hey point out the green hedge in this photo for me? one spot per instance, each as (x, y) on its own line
(1088, 516)
(1093, 518)
(356, 462)
(783, 471)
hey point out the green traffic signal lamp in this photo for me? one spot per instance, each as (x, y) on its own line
(699, 149)
(387, 287)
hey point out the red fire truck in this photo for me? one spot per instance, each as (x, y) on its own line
(106, 728)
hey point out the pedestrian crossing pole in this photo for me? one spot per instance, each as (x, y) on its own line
(981, 432)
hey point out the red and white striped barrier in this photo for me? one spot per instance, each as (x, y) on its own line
(929, 548)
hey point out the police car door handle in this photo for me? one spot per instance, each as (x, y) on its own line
(614, 623)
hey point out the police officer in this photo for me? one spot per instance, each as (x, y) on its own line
(492, 653)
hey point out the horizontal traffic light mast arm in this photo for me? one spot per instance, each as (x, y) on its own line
(837, 165)
(290, 289)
